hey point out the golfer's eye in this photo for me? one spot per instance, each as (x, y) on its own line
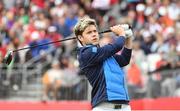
(89, 32)
(95, 31)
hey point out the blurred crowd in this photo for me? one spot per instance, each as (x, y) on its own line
(156, 25)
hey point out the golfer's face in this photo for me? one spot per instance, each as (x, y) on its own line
(90, 35)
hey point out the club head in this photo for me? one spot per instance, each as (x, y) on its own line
(8, 57)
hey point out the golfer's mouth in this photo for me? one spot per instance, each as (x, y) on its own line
(95, 39)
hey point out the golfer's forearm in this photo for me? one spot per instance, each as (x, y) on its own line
(128, 43)
(124, 58)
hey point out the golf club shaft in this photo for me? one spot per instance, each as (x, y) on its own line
(16, 50)
(44, 44)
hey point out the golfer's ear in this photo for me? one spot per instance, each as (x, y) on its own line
(80, 37)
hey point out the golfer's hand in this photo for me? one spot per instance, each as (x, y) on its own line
(129, 33)
(118, 30)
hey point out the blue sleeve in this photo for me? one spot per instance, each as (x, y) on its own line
(93, 55)
(124, 58)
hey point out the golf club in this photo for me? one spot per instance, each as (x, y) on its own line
(9, 55)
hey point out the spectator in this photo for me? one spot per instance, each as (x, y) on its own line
(52, 80)
(54, 36)
(134, 75)
(62, 27)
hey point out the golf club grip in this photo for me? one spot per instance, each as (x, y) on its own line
(108, 30)
(105, 31)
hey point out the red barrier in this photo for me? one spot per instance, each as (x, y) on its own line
(142, 104)
(156, 104)
(63, 105)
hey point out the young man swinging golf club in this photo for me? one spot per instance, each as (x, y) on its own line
(103, 67)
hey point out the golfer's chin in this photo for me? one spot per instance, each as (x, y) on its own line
(96, 43)
(92, 43)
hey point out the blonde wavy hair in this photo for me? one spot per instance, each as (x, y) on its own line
(82, 24)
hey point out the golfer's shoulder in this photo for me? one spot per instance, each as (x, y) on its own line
(88, 49)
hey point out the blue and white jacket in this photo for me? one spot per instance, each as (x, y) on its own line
(102, 67)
